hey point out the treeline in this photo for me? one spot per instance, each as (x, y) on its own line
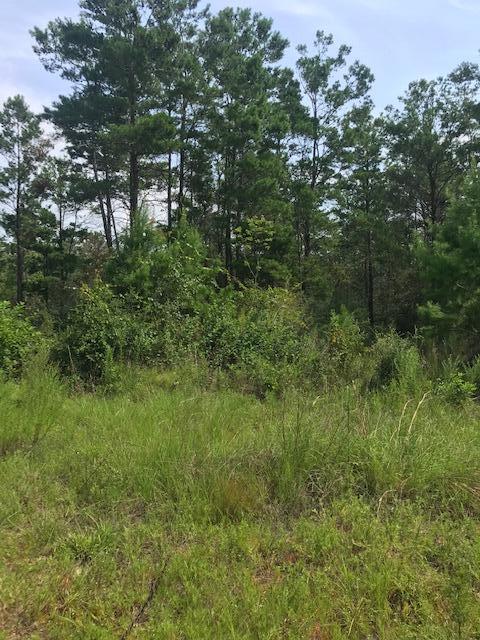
(251, 173)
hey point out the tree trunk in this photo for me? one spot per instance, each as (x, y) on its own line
(110, 215)
(307, 239)
(134, 185)
(134, 177)
(19, 255)
(228, 242)
(61, 218)
(105, 219)
(307, 236)
(181, 168)
(369, 275)
(169, 192)
(115, 233)
(112, 230)
(19, 229)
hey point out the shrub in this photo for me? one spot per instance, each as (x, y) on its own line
(456, 389)
(177, 335)
(103, 331)
(163, 285)
(260, 336)
(472, 375)
(345, 347)
(98, 334)
(273, 338)
(150, 272)
(395, 359)
(18, 339)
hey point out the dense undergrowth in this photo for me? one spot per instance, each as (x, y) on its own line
(178, 508)
(162, 302)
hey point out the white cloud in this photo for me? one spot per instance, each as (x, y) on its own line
(466, 5)
(35, 100)
(383, 6)
(297, 8)
(307, 8)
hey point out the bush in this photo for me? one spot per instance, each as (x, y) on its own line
(18, 339)
(395, 360)
(100, 334)
(150, 272)
(389, 359)
(260, 336)
(345, 347)
(177, 335)
(472, 375)
(456, 389)
(95, 335)
(163, 284)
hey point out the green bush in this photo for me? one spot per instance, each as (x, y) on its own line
(105, 330)
(394, 359)
(346, 347)
(472, 375)
(18, 339)
(95, 335)
(149, 272)
(456, 389)
(163, 284)
(390, 359)
(260, 336)
(177, 335)
(163, 305)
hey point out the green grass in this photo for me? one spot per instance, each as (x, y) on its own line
(171, 511)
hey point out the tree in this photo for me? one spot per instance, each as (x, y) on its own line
(58, 246)
(83, 119)
(431, 139)
(23, 149)
(183, 93)
(329, 87)
(113, 56)
(240, 50)
(374, 250)
(361, 197)
(450, 270)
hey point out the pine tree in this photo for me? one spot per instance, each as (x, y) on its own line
(431, 139)
(23, 149)
(113, 56)
(329, 86)
(450, 270)
(240, 50)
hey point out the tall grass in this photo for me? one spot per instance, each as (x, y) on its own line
(173, 511)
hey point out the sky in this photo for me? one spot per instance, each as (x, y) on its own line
(400, 40)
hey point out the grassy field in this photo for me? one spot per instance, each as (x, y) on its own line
(172, 511)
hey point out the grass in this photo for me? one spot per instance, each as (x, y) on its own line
(172, 511)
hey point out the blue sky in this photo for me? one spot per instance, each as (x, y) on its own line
(400, 40)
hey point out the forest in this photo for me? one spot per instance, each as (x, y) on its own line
(239, 338)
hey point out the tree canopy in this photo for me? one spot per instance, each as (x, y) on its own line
(289, 176)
